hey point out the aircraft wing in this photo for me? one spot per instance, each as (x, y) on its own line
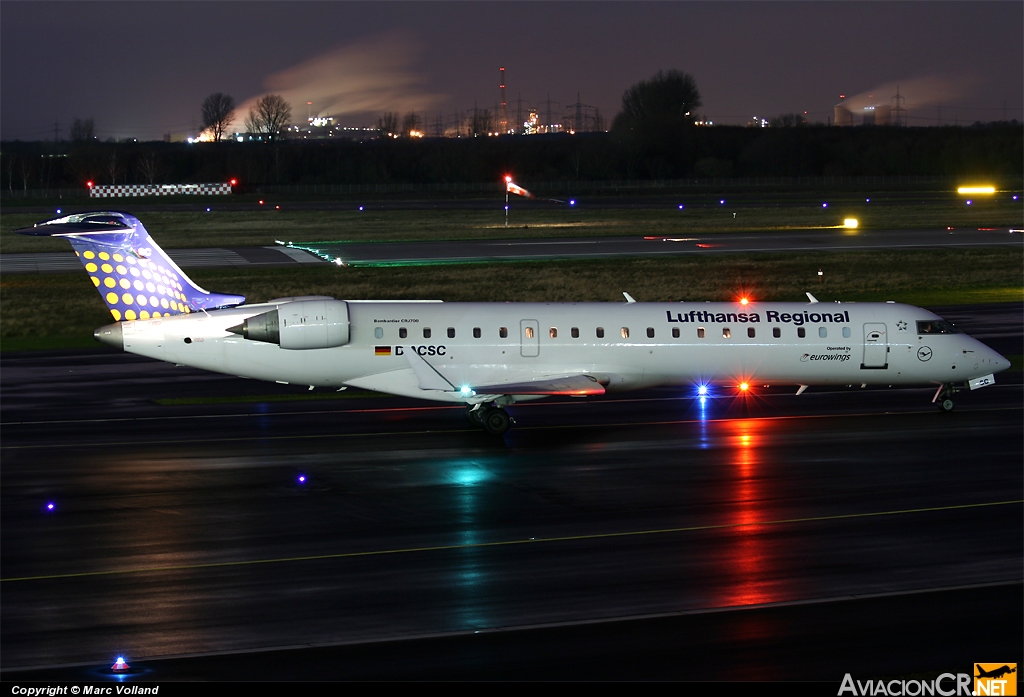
(566, 385)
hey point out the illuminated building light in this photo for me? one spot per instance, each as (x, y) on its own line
(976, 190)
(850, 223)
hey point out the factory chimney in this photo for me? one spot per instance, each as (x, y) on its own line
(504, 105)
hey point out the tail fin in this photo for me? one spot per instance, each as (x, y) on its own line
(133, 274)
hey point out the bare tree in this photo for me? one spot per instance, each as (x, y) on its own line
(269, 116)
(410, 123)
(218, 113)
(115, 168)
(26, 171)
(83, 129)
(387, 125)
(149, 167)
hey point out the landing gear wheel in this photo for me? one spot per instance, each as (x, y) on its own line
(496, 421)
(475, 415)
(946, 404)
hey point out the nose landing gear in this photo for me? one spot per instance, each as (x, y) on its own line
(943, 398)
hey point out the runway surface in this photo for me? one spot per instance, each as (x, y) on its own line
(631, 536)
(457, 251)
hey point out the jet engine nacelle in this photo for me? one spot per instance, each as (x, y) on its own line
(305, 324)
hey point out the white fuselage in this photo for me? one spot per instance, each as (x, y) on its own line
(643, 345)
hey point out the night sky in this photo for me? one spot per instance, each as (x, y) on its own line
(141, 69)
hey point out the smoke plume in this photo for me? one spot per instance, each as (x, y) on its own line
(365, 78)
(917, 93)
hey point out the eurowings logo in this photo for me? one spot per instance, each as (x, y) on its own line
(995, 679)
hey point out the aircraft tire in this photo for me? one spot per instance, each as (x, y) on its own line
(475, 416)
(496, 421)
(946, 404)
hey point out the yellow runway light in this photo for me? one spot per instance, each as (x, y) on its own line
(850, 223)
(963, 190)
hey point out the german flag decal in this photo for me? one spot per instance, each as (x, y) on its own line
(381, 350)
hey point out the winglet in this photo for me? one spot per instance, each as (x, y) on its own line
(629, 298)
(812, 298)
(801, 390)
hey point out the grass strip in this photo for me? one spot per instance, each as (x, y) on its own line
(701, 214)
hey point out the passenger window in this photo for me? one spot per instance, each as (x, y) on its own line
(700, 332)
(625, 332)
(600, 332)
(503, 332)
(822, 332)
(451, 332)
(402, 332)
(846, 332)
(529, 332)
(553, 332)
(801, 332)
(726, 333)
(750, 332)
(426, 332)
(776, 332)
(575, 332)
(675, 332)
(378, 332)
(476, 332)
(650, 332)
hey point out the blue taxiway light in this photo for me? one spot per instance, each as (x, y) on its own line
(572, 202)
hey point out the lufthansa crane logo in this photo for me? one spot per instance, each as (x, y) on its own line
(924, 353)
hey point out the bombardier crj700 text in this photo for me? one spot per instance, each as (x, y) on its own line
(490, 355)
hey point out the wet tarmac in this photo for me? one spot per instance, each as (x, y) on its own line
(645, 535)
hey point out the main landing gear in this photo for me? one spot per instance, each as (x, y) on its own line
(943, 398)
(492, 419)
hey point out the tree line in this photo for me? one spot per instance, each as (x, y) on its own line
(656, 135)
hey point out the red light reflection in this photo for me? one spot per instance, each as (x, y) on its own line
(748, 561)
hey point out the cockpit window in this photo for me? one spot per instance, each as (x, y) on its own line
(936, 326)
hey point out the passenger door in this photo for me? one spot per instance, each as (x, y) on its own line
(876, 346)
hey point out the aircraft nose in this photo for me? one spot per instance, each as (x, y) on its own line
(999, 362)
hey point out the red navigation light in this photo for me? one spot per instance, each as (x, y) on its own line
(261, 202)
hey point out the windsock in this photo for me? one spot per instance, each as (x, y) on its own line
(516, 189)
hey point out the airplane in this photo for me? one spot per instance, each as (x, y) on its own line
(994, 673)
(490, 355)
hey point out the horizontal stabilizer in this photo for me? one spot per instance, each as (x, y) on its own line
(567, 385)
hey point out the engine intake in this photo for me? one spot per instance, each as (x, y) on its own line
(306, 324)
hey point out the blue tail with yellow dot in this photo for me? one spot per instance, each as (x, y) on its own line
(133, 274)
